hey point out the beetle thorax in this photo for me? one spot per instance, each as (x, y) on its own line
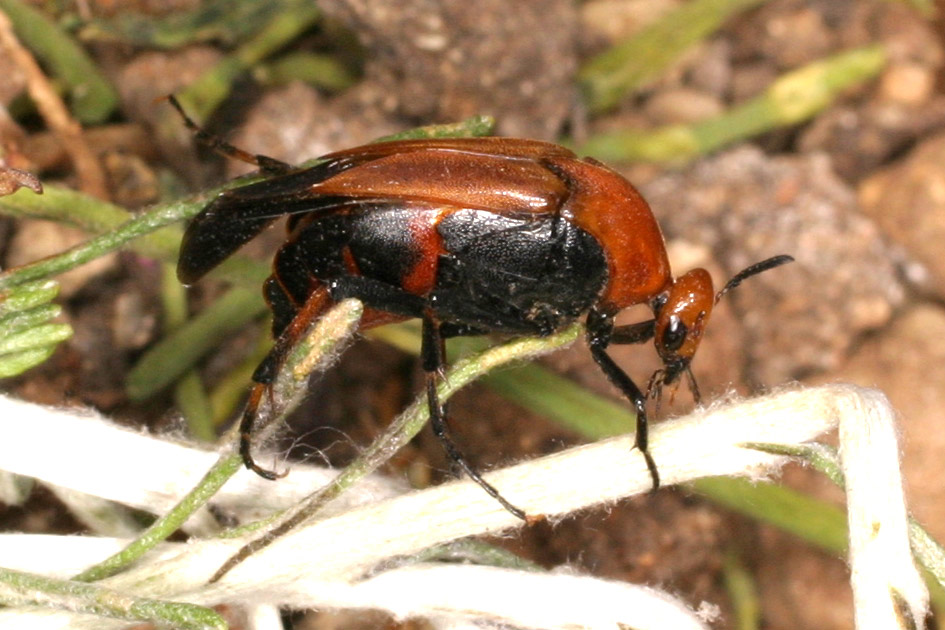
(607, 206)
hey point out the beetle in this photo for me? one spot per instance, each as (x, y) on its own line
(473, 236)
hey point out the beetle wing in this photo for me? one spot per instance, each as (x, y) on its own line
(237, 215)
(498, 183)
(490, 145)
(504, 175)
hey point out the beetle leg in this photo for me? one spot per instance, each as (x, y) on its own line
(247, 423)
(377, 294)
(268, 370)
(600, 329)
(266, 164)
(432, 355)
(633, 333)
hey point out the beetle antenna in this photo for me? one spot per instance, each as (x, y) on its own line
(758, 267)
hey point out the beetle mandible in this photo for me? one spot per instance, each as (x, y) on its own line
(472, 236)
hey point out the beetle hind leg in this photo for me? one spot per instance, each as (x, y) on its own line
(265, 163)
(267, 372)
(433, 357)
(247, 424)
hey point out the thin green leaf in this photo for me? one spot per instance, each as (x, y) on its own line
(179, 351)
(793, 98)
(610, 76)
(26, 589)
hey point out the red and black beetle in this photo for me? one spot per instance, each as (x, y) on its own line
(472, 236)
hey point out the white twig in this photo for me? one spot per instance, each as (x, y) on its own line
(525, 600)
(324, 564)
(888, 592)
(84, 452)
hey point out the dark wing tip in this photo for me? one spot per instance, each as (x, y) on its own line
(218, 231)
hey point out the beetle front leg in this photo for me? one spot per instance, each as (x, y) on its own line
(600, 330)
(633, 333)
(432, 354)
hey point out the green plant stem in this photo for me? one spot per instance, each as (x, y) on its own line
(822, 457)
(161, 529)
(181, 349)
(117, 228)
(610, 76)
(743, 593)
(472, 127)
(26, 589)
(793, 98)
(205, 94)
(470, 551)
(221, 21)
(92, 96)
(322, 71)
(190, 397)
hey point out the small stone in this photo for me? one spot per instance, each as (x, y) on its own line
(907, 200)
(907, 83)
(682, 105)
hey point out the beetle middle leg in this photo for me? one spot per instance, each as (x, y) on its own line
(600, 332)
(432, 352)
(378, 294)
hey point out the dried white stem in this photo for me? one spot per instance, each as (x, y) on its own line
(339, 549)
(526, 600)
(888, 591)
(84, 452)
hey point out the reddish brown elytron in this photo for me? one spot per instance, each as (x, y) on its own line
(472, 236)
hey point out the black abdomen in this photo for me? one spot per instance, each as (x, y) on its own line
(516, 275)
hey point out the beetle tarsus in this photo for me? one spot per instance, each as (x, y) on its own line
(246, 434)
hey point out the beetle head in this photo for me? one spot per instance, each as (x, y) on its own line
(682, 313)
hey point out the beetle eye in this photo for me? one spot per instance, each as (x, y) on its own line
(675, 334)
